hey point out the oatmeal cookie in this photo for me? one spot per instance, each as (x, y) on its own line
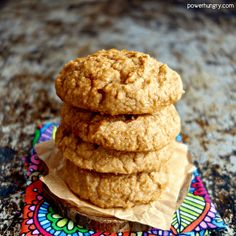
(93, 157)
(110, 190)
(118, 82)
(124, 132)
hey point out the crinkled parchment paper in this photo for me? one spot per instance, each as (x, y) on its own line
(157, 214)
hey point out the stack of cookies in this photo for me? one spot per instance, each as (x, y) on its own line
(118, 126)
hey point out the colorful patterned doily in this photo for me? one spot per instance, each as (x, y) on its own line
(196, 216)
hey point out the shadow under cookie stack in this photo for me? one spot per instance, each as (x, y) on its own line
(118, 126)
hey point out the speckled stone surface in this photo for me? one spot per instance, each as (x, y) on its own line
(38, 37)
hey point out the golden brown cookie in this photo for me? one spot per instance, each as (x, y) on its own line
(98, 223)
(124, 132)
(110, 190)
(118, 82)
(93, 157)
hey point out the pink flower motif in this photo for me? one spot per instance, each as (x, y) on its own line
(39, 197)
(29, 222)
(35, 232)
(211, 225)
(203, 225)
(206, 223)
(200, 189)
(207, 219)
(32, 208)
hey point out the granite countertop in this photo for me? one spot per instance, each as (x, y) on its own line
(38, 37)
